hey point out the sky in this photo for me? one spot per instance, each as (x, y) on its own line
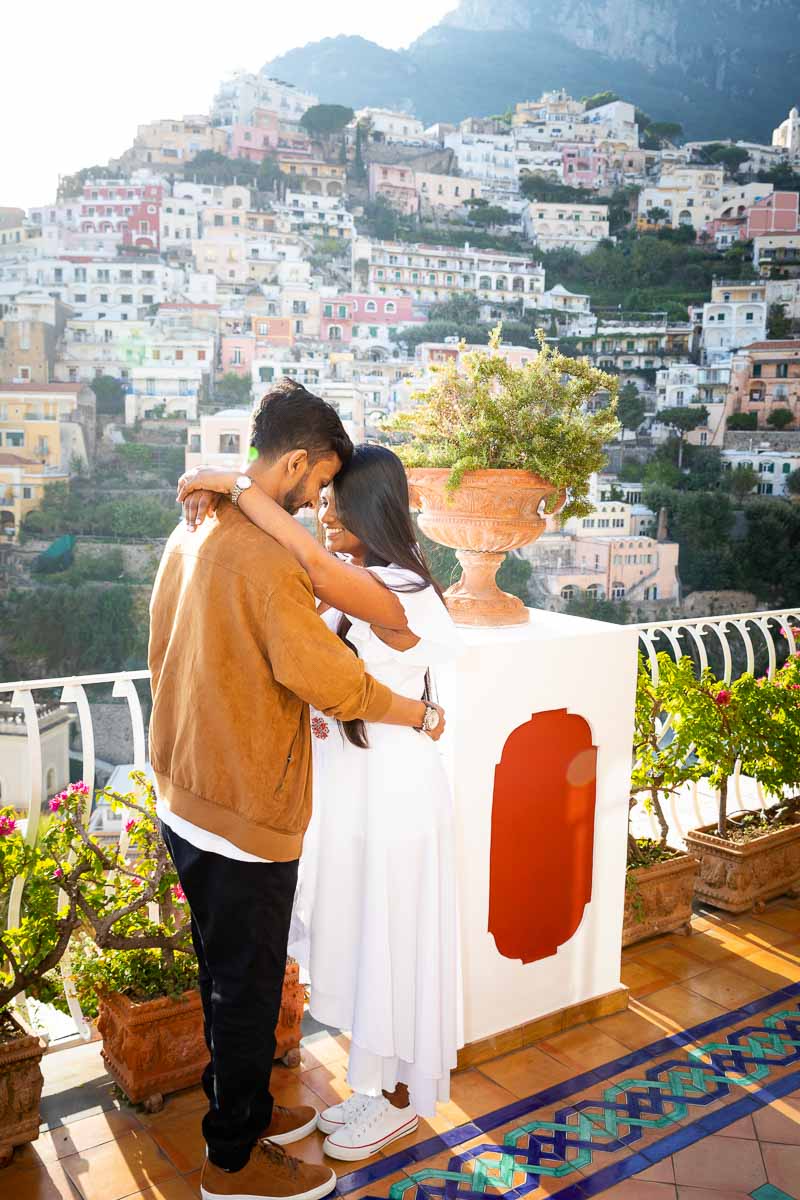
(78, 78)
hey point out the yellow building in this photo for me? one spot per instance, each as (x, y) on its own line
(318, 177)
(44, 430)
(165, 143)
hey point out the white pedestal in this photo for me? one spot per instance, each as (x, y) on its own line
(503, 677)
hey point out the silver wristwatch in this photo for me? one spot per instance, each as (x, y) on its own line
(431, 719)
(243, 482)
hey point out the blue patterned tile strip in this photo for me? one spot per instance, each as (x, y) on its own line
(612, 1120)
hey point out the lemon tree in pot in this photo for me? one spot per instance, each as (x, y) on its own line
(491, 448)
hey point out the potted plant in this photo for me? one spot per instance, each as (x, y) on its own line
(492, 447)
(133, 964)
(659, 882)
(752, 726)
(31, 948)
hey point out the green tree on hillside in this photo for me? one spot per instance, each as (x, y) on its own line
(599, 99)
(630, 407)
(323, 120)
(779, 418)
(682, 421)
(742, 482)
(778, 323)
(109, 395)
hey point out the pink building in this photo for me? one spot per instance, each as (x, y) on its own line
(584, 166)
(336, 321)
(129, 210)
(777, 213)
(255, 141)
(236, 353)
(381, 310)
(397, 186)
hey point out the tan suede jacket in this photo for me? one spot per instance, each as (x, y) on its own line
(237, 654)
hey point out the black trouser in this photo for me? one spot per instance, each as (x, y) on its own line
(240, 928)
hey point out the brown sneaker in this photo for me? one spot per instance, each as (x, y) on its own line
(290, 1124)
(269, 1175)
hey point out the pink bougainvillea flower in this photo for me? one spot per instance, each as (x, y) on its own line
(178, 892)
(7, 826)
(130, 825)
(136, 882)
(58, 873)
(55, 803)
(320, 728)
(723, 698)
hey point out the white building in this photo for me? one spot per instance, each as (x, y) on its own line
(572, 310)
(243, 92)
(787, 135)
(688, 194)
(319, 216)
(490, 157)
(15, 765)
(735, 316)
(220, 439)
(119, 289)
(773, 467)
(389, 126)
(431, 273)
(179, 223)
(213, 195)
(565, 226)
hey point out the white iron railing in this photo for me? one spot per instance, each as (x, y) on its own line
(742, 642)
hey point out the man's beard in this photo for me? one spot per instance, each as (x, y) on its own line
(293, 500)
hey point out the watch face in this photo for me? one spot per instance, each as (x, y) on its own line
(243, 482)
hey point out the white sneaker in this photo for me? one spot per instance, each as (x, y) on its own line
(375, 1127)
(339, 1115)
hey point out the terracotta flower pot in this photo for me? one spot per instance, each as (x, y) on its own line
(158, 1046)
(658, 899)
(21, 1083)
(737, 878)
(491, 513)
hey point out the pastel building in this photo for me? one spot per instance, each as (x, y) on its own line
(777, 255)
(219, 439)
(314, 175)
(787, 135)
(395, 184)
(430, 273)
(565, 226)
(446, 192)
(772, 465)
(171, 142)
(776, 213)
(766, 376)
(688, 194)
(256, 139)
(179, 224)
(735, 316)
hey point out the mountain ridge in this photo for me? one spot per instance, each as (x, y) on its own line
(720, 68)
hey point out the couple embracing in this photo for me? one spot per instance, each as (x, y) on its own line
(271, 654)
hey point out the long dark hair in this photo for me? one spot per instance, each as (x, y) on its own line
(372, 504)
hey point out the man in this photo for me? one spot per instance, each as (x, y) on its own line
(237, 653)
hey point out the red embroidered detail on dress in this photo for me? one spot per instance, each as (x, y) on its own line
(320, 727)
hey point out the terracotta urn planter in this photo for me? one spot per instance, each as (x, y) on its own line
(490, 513)
(658, 899)
(21, 1083)
(158, 1046)
(737, 877)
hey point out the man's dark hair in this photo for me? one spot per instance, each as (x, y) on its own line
(291, 418)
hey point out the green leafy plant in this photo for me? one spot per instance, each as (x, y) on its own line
(754, 723)
(132, 929)
(36, 943)
(483, 413)
(659, 765)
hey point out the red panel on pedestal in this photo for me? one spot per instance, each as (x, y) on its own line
(542, 835)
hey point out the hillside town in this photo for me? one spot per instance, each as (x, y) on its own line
(153, 301)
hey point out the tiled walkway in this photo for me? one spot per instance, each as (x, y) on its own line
(692, 1094)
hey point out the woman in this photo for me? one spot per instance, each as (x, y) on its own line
(375, 912)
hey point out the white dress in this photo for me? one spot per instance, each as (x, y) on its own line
(375, 921)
